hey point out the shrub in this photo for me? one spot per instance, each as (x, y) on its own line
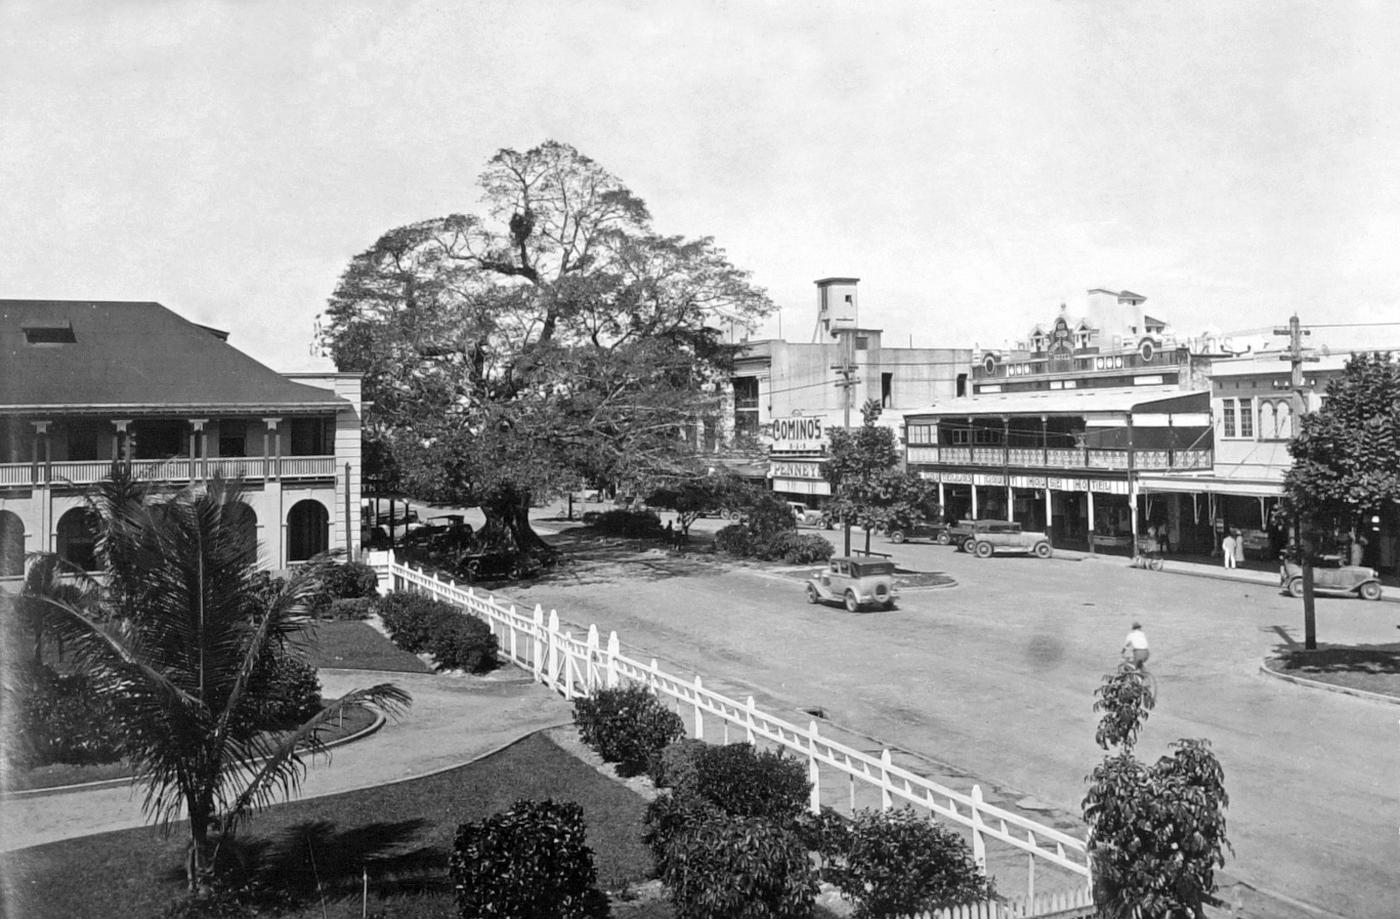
(412, 619)
(676, 764)
(463, 643)
(629, 523)
(343, 608)
(720, 864)
(350, 581)
(532, 860)
(734, 540)
(283, 691)
(628, 726)
(797, 548)
(745, 783)
(61, 719)
(899, 863)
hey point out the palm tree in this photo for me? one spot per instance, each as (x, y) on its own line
(174, 643)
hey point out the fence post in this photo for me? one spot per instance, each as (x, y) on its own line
(594, 684)
(1030, 867)
(552, 635)
(510, 623)
(979, 845)
(814, 776)
(699, 715)
(749, 708)
(568, 656)
(613, 650)
(537, 643)
(886, 799)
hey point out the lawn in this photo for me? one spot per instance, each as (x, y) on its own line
(359, 646)
(400, 834)
(1372, 668)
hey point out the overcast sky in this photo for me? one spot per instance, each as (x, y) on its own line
(974, 164)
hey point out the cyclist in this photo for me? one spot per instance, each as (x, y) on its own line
(1135, 649)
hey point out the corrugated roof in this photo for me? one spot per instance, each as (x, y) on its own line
(1065, 401)
(138, 357)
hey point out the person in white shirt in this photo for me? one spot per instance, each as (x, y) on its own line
(1135, 647)
(1227, 548)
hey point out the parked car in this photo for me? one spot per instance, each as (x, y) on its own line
(856, 582)
(963, 534)
(983, 538)
(1331, 575)
(804, 514)
(445, 532)
(938, 531)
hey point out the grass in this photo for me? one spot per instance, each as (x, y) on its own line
(402, 834)
(1372, 668)
(354, 645)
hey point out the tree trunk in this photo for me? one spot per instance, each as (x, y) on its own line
(199, 863)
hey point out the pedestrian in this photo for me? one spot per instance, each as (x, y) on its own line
(670, 534)
(1164, 540)
(1358, 547)
(1227, 548)
(1135, 650)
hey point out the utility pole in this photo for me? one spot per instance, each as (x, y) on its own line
(1297, 357)
(847, 384)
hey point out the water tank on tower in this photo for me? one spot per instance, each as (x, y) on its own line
(836, 305)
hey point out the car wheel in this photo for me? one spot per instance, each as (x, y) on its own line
(944, 538)
(812, 595)
(969, 544)
(1295, 587)
(852, 603)
(896, 536)
(1042, 550)
(1370, 591)
(982, 549)
(473, 571)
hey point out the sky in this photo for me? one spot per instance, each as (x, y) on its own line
(975, 165)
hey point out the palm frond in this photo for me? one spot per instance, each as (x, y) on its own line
(282, 767)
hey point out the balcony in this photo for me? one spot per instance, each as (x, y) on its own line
(176, 470)
(1036, 458)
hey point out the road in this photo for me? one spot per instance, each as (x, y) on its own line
(996, 677)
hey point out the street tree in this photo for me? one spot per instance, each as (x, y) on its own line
(1346, 460)
(693, 497)
(869, 487)
(182, 659)
(1156, 833)
(554, 338)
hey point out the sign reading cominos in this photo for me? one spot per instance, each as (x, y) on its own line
(797, 433)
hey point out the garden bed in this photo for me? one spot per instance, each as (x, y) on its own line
(401, 833)
(1369, 668)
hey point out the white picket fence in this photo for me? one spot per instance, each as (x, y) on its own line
(577, 666)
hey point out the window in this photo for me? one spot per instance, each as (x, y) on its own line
(862, 342)
(962, 385)
(1227, 407)
(49, 333)
(312, 437)
(921, 434)
(1283, 424)
(1267, 426)
(1246, 417)
(886, 389)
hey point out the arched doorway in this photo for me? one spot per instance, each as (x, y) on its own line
(241, 518)
(77, 538)
(11, 544)
(308, 530)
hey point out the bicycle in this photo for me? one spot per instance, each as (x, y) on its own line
(1148, 554)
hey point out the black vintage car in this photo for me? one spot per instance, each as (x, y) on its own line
(935, 530)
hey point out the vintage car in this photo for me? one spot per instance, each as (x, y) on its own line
(1331, 575)
(937, 531)
(446, 532)
(804, 514)
(855, 581)
(983, 538)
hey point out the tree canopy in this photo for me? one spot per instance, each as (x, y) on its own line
(869, 488)
(553, 338)
(1346, 455)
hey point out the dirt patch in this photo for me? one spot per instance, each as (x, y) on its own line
(1371, 668)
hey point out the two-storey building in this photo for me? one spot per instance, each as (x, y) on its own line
(1062, 427)
(789, 395)
(87, 383)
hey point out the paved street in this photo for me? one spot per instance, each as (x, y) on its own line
(996, 676)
